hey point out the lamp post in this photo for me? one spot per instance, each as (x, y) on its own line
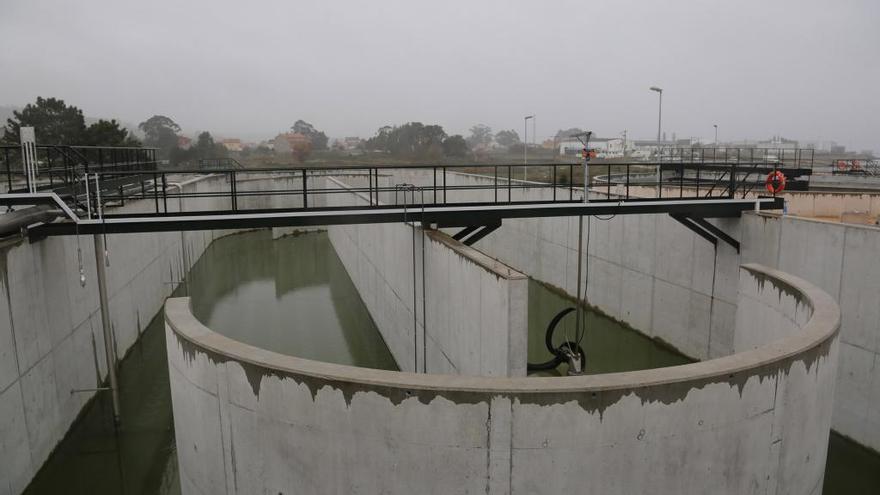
(716, 134)
(526, 146)
(659, 91)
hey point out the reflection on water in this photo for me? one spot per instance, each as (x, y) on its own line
(609, 346)
(303, 303)
(291, 295)
(851, 469)
(95, 458)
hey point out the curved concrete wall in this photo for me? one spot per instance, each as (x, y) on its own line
(251, 421)
(842, 259)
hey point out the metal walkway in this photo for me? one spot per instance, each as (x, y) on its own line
(452, 215)
(475, 197)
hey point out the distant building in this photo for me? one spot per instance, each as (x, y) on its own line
(232, 144)
(352, 143)
(779, 143)
(605, 147)
(284, 143)
(184, 142)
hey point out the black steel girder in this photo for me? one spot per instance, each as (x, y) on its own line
(443, 216)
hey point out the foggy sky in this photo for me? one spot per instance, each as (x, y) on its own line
(804, 69)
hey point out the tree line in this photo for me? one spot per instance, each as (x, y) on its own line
(55, 122)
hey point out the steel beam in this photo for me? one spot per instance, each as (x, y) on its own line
(447, 216)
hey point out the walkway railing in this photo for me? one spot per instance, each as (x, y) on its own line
(468, 184)
(60, 167)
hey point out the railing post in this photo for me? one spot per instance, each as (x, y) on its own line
(8, 171)
(305, 189)
(232, 191)
(608, 182)
(156, 191)
(165, 192)
(732, 180)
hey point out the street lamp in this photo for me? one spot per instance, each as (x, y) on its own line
(526, 145)
(716, 134)
(659, 112)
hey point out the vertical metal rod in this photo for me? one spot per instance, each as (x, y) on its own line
(99, 210)
(109, 348)
(608, 181)
(509, 182)
(88, 198)
(232, 191)
(424, 287)
(165, 192)
(8, 171)
(577, 312)
(305, 189)
(444, 185)
(495, 183)
(554, 183)
(571, 182)
(156, 191)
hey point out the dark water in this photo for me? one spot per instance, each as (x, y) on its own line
(608, 345)
(851, 469)
(249, 278)
(291, 295)
(136, 458)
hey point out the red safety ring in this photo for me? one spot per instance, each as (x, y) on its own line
(775, 182)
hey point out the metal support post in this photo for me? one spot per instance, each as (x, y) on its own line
(109, 348)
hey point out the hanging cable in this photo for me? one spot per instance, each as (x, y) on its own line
(82, 271)
(404, 188)
(424, 303)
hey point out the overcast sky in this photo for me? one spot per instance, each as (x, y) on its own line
(804, 69)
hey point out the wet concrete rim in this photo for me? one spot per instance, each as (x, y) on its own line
(820, 329)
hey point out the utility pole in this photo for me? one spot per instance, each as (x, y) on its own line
(659, 91)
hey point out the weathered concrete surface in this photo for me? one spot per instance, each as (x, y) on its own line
(648, 271)
(252, 421)
(473, 316)
(50, 327)
(842, 260)
(654, 274)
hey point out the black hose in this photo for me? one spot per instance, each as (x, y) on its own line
(558, 354)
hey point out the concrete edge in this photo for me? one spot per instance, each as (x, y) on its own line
(819, 330)
(778, 215)
(477, 257)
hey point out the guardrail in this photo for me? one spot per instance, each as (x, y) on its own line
(437, 184)
(62, 166)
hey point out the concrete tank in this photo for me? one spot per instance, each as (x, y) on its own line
(248, 420)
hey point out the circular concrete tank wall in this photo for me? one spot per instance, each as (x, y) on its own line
(249, 420)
